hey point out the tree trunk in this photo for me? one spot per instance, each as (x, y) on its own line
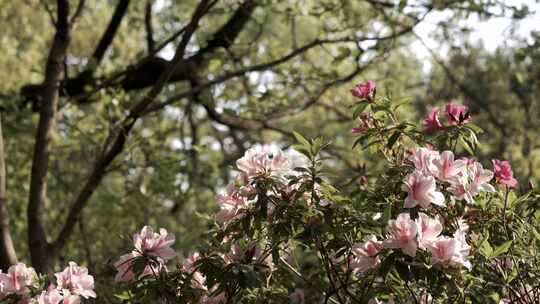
(39, 248)
(8, 256)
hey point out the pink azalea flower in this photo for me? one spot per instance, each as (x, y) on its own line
(365, 90)
(460, 235)
(503, 173)
(461, 188)
(456, 114)
(125, 268)
(252, 254)
(147, 243)
(232, 206)
(429, 230)
(480, 178)
(469, 183)
(298, 296)
(155, 244)
(423, 159)
(366, 254)
(197, 278)
(421, 190)
(17, 280)
(245, 188)
(52, 296)
(77, 280)
(449, 169)
(365, 123)
(261, 163)
(449, 252)
(432, 122)
(402, 234)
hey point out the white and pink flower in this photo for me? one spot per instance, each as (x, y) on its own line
(471, 182)
(365, 254)
(402, 234)
(17, 280)
(232, 206)
(451, 251)
(429, 230)
(155, 244)
(448, 169)
(262, 163)
(422, 190)
(423, 159)
(146, 243)
(76, 280)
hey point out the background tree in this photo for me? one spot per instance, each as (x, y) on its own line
(122, 112)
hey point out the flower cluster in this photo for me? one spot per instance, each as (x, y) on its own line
(17, 281)
(152, 250)
(454, 114)
(434, 172)
(72, 283)
(257, 163)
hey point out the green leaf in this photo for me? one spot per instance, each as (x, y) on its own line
(475, 128)
(359, 109)
(501, 249)
(485, 248)
(466, 146)
(301, 139)
(536, 233)
(392, 140)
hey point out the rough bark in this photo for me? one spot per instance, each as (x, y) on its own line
(8, 255)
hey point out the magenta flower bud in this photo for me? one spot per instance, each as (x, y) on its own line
(365, 90)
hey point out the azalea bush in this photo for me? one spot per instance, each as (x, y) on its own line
(22, 285)
(436, 226)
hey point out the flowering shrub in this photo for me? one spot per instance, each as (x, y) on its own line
(435, 227)
(22, 285)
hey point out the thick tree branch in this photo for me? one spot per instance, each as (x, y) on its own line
(145, 73)
(150, 43)
(121, 133)
(262, 67)
(8, 256)
(110, 32)
(37, 238)
(75, 86)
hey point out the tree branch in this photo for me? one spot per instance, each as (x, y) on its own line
(150, 43)
(121, 133)
(37, 238)
(110, 32)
